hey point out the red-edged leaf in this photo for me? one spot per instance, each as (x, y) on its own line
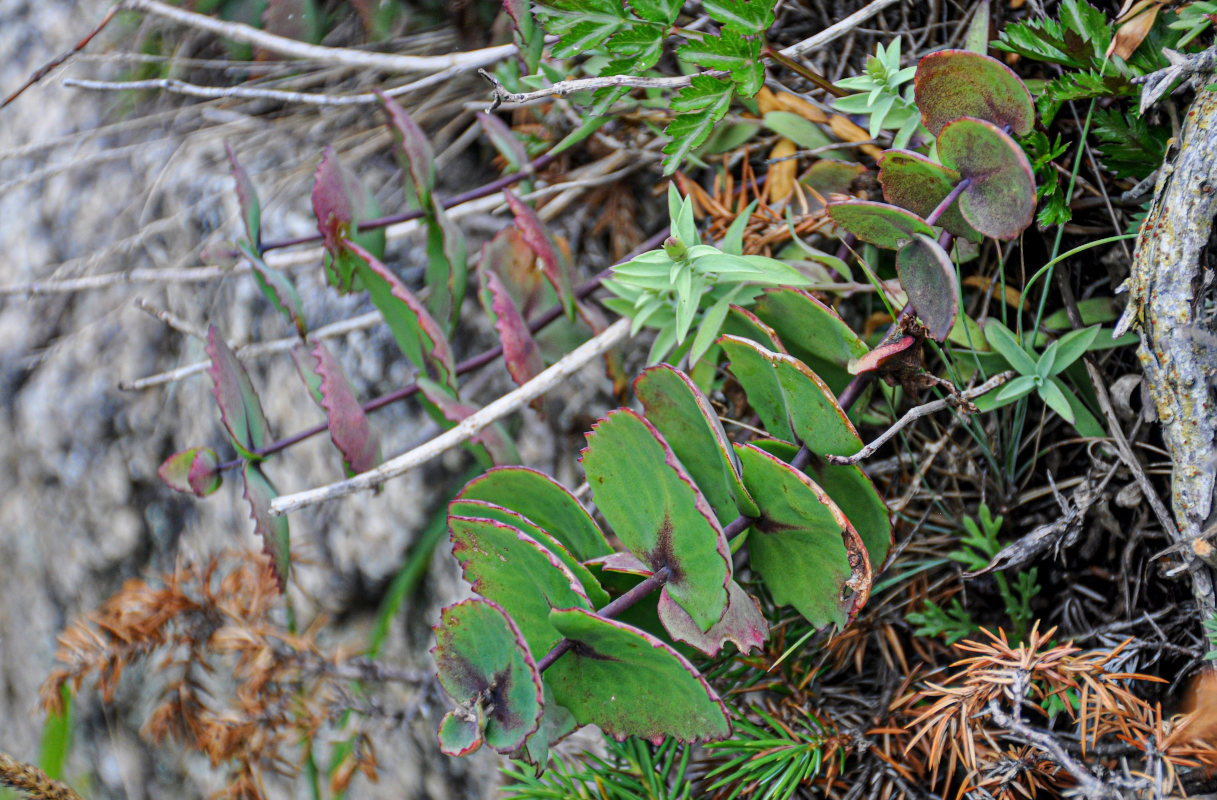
(247, 196)
(413, 150)
(538, 238)
(743, 624)
(276, 537)
(331, 202)
(306, 368)
(881, 355)
(504, 140)
(912, 181)
(240, 410)
(279, 290)
(193, 471)
(497, 443)
(1000, 200)
(416, 332)
(520, 351)
(447, 268)
(515, 262)
(349, 427)
(928, 278)
(957, 83)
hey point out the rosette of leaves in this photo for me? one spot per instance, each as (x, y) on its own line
(686, 283)
(880, 96)
(981, 185)
(610, 633)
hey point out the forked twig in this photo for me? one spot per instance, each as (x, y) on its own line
(914, 414)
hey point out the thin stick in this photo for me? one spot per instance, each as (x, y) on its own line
(55, 62)
(340, 328)
(1091, 786)
(500, 95)
(361, 59)
(914, 414)
(465, 429)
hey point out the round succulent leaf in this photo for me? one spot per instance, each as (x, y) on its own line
(743, 624)
(852, 490)
(480, 509)
(879, 224)
(688, 422)
(460, 731)
(510, 568)
(929, 280)
(816, 417)
(912, 181)
(804, 548)
(658, 512)
(482, 660)
(630, 683)
(1000, 200)
(959, 83)
(812, 332)
(544, 501)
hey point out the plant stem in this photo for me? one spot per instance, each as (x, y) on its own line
(948, 200)
(806, 72)
(614, 608)
(468, 365)
(383, 222)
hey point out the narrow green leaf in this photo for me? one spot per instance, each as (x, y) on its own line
(1002, 340)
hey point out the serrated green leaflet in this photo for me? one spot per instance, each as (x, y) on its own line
(631, 684)
(753, 16)
(698, 106)
(658, 512)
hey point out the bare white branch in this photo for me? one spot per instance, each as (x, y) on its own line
(468, 427)
(362, 59)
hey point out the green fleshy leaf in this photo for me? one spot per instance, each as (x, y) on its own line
(631, 684)
(511, 569)
(743, 624)
(929, 280)
(879, 224)
(485, 666)
(688, 422)
(811, 332)
(912, 181)
(247, 197)
(957, 83)
(480, 509)
(809, 555)
(240, 409)
(658, 512)
(192, 471)
(276, 536)
(545, 502)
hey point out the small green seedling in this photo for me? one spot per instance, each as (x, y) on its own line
(1039, 373)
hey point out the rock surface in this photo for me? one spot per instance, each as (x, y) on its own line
(86, 188)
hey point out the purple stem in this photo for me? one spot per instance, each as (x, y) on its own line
(405, 216)
(932, 219)
(468, 365)
(614, 608)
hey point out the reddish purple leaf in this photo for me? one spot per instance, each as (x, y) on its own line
(1000, 200)
(276, 538)
(504, 140)
(349, 427)
(240, 409)
(416, 332)
(193, 471)
(929, 280)
(538, 238)
(332, 202)
(912, 181)
(958, 83)
(516, 264)
(302, 356)
(880, 355)
(520, 351)
(413, 150)
(743, 624)
(247, 196)
(496, 442)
